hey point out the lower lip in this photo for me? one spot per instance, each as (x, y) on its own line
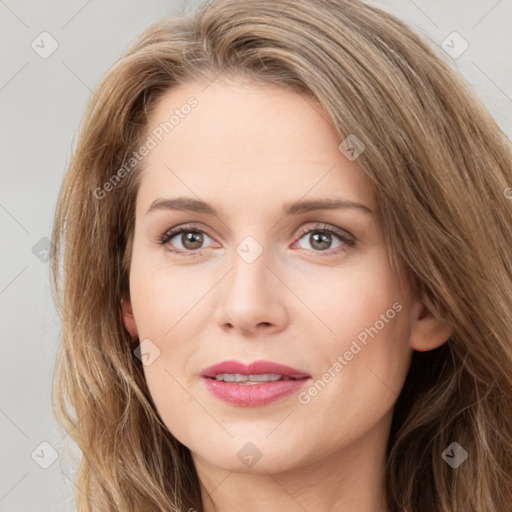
(253, 395)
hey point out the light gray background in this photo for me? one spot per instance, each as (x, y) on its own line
(41, 102)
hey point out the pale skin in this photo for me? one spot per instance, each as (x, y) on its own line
(248, 149)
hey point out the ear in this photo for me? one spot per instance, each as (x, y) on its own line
(128, 319)
(427, 330)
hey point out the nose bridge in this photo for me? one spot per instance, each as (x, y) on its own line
(250, 268)
(249, 279)
(251, 295)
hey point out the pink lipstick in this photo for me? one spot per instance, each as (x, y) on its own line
(253, 385)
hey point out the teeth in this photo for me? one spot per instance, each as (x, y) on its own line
(238, 377)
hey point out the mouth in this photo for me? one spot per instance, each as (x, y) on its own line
(251, 380)
(254, 385)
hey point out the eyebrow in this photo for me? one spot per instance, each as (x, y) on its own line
(296, 208)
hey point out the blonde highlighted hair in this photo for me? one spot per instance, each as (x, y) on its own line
(441, 170)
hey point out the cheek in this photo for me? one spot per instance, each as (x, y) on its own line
(353, 297)
(162, 302)
(363, 356)
(160, 296)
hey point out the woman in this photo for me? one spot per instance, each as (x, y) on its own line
(284, 271)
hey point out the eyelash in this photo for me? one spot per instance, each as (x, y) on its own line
(347, 239)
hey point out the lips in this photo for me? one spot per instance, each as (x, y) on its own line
(253, 394)
(255, 368)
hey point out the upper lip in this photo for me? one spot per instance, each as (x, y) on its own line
(254, 368)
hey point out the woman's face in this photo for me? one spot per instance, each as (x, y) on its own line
(270, 277)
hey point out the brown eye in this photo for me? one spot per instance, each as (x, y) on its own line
(321, 239)
(191, 239)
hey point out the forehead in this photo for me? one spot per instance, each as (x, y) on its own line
(245, 144)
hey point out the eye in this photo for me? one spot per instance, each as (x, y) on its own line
(191, 239)
(320, 238)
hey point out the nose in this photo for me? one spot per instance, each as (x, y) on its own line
(252, 298)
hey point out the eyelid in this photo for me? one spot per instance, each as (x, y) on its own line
(323, 226)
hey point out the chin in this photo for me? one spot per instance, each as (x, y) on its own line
(251, 456)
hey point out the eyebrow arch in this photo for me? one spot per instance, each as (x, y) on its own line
(295, 208)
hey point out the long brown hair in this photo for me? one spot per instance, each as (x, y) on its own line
(441, 169)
